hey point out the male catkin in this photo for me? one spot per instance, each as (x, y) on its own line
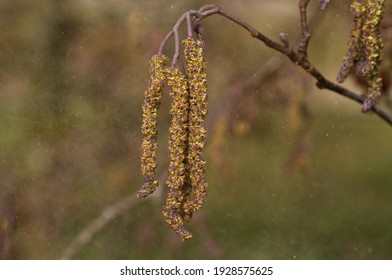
(196, 66)
(187, 187)
(365, 48)
(178, 138)
(152, 100)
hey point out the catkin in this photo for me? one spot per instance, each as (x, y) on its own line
(187, 187)
(353, 52)
(372, 43)
(365, 48)
(152, 100)
(196, 66)
(178, 139)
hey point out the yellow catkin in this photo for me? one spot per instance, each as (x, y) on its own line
(152, 100)
(186, 172)
(353, 52)
(178, 139)
(365, 48)
(196, 66)
(372, 44)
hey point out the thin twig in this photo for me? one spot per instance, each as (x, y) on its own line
(204, 11)
(167, 37)
(189, 25)
(206, 8)
(177, 40)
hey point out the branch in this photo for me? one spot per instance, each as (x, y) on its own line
(299, 57)
(201, 13)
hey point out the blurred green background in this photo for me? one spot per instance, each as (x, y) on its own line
(293, 172)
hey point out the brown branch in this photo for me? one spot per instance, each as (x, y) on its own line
(297, 57)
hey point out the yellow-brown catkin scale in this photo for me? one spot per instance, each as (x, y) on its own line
(197, 79)
(365, 48)
(354, 52)
(178, 139)
(152, 100)
(372, 43)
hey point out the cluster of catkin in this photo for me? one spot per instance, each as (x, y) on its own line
(364, 53)
(187, 187)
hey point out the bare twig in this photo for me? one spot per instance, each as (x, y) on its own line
(176, 39)
(167, 37)
(203, 12)
(189, 25)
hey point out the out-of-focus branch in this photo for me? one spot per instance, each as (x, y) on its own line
(107, 215)
(110, 212)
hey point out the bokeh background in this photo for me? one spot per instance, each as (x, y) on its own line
(294, 172)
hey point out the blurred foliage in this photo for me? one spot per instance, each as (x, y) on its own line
(296, 173)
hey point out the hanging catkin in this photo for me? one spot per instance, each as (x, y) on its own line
(364, 53)
(152, 100)
(197, 79)
(178, 138)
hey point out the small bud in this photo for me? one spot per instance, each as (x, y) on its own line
(323, 4)
(285, 40)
